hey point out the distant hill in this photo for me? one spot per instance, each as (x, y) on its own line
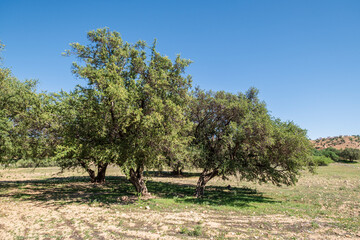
(340, 142)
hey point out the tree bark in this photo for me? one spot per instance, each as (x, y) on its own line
(177, 171)
(204, 178)
(137, 179)
(88, 170)
(100, 178)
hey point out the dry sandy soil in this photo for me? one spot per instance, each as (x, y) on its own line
(339, 142)
(46, 204)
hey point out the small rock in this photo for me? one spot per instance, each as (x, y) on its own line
(124, 198)
(147, 208)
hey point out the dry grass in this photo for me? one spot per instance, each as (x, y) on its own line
(46, 204)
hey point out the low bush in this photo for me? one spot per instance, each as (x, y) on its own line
(322, 160)
(30, 163)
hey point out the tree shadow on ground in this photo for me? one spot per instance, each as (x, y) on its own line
(214, 195)
(118, 190)
(169, 174)
(347, 161)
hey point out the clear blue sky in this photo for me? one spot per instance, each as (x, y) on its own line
(303, 56)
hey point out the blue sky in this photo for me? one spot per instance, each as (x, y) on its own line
(303, 56)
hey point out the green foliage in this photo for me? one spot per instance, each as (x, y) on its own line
(223, 124)
(331, 153)
(27, 123)
(322, 160)
(350, 154)
(133, 110)
(18, 107)
(289, 153)
(136, 112)
(235, 135)
(196, 232)
(83, 123)
(32, 163)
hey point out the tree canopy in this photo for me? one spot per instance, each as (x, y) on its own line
(18, 106)
(135, 103)
(137, 111)
(235, 135)
(350, 154)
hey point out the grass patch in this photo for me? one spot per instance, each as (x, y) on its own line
(195, 232)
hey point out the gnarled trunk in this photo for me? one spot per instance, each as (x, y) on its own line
(177, 171)
(204, 178)
(100, 177)
(137, 179)
(91, 174)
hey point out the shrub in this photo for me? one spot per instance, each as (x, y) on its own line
(30, 163)
(322, 160)
(331, 153)
(350, 154)
(197, 231)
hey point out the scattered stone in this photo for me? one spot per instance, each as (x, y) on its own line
(147, 208)
(124, 198)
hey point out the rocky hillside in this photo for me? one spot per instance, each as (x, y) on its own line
(340, 142)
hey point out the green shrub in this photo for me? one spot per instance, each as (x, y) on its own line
(30, 163)
(350, 154)
(322, 160)
(197, 231)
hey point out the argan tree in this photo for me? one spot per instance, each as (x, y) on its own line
(19, 107)
(140, 100)
(350, 154)
(235, 135)
(83, 131)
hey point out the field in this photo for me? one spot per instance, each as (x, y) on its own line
(44, 203)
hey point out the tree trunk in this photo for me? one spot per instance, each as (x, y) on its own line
(137, 179)
(177, 171)
(204, 178)
(88, 170)
(100, 178)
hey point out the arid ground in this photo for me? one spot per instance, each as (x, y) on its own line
(339, 142)
(47, 204)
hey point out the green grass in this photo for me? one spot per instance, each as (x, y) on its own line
(196, 231)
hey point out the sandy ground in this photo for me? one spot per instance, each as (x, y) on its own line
(47, 221)
(26, 218)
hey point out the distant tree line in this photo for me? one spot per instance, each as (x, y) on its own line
(325, 156)
(138, 111)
